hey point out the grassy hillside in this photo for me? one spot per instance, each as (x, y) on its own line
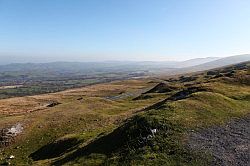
(135, 122)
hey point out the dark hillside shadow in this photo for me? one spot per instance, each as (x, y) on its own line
(104, 145)
(116, 141)
(55, 149)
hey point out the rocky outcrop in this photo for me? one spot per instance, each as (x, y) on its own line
(7, 135)
(53, 104)
(162, 88)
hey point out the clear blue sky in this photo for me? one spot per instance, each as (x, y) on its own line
(89, 30)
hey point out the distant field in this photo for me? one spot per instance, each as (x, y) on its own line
(16, 85)
(41, 78)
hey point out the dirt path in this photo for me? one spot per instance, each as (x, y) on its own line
(229, 144)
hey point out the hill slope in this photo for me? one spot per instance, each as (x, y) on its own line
(223, 62)
(92, 126)
(167, 133)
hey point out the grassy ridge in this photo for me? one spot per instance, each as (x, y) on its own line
(127, 144)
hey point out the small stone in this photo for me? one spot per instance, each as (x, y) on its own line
(17, 147)
(11, 157)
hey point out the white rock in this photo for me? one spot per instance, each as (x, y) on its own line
(11, 157)
(153, 131)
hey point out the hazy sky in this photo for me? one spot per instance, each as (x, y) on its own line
(94, 30)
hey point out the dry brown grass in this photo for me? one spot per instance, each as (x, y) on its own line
(92, 99)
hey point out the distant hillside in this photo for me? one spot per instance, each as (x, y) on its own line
(109, 66)
(223, 62)
(75, 68)
(210, 65)
(197, 61)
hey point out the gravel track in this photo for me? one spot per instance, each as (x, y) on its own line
(228, 144)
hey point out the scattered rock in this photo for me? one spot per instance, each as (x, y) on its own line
(187, 79)
(125, 95)
(142, 97)
(11, 157)
(53, 103)
(218, 75)
(171, 80)
(7, 135)
(230, 74)
(153, 131)
(185, 93)
(80, 98)
(17, 147)
(213, 72)
(161, 88)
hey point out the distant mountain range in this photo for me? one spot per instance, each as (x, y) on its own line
(218, 63)
(194, 62)
(118, 66)
(223, 62)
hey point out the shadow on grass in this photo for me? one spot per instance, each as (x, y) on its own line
(55, 149)
(115, 142)
(104, 145)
